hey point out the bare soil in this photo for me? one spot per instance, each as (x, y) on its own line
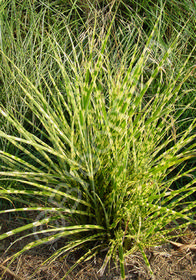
(172, 261)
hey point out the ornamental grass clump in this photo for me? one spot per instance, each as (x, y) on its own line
(103, 153)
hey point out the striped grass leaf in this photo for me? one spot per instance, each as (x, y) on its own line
(52, 190)
(86, 257)
(121, 258)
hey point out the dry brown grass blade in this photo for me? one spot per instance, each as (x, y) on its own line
(10, 272)
(191, 246)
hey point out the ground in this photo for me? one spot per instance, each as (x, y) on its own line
(172, 261)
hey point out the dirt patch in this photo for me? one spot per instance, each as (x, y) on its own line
(172, 261)
(167, 263)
